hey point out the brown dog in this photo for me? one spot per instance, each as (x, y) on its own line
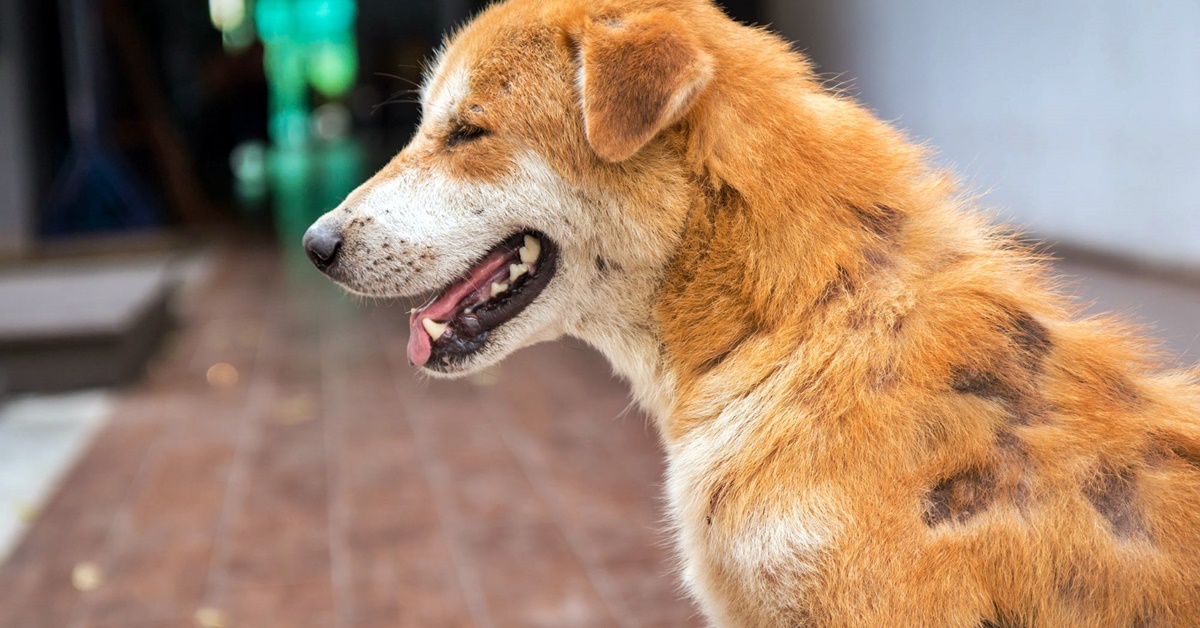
(877, 410)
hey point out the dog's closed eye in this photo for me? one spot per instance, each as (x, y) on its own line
(463, 133)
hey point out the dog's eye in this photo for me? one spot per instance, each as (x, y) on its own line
(464, 133)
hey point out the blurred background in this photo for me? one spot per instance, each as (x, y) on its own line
(196, 429)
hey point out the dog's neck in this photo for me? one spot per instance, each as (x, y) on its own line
(760, 251)
(630, 338)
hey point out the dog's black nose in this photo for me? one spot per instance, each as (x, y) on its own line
(322, 245)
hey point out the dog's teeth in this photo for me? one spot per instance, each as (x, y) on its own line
(531, 250)
(497, 288)
(516, 270)
(434, 328)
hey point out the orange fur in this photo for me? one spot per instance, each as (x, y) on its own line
(882, 412)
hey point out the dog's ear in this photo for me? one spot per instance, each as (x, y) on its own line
(637, 75)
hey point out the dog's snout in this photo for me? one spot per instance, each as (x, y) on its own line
(322, 244)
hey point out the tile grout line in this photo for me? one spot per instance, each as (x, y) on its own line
(468, 583)
(248, 440)
(546, 495)
(336, 509)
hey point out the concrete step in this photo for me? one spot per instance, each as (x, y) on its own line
(80, 325)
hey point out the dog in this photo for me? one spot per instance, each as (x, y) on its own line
(877, 408)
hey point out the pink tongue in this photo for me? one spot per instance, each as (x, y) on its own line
(445, 306)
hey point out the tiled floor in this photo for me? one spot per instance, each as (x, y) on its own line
(315, 481)
(310, 479)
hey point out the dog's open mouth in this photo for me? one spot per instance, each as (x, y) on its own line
(496, 289)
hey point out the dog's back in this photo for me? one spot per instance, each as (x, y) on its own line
(935, 441)
(887, 416)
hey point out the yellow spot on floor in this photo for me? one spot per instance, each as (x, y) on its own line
(86, 577)
(222, 375)
(210, 618)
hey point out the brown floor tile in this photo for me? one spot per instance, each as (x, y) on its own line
(299, 605)
(177, 622)
(531, 578)
(150, 578)
(182, 490)
(282, 532)
(37, 596)
(408, 579)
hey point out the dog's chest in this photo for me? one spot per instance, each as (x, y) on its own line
(744, 540)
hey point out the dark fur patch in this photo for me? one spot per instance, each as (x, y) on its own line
(1188, 456)
(1011, 375)
(1030, 338)
(880, 220)
(604, 266)
(970, 381)
(1022, 403)
(727, 197)
(960, 497)
(1113, 493)
(840, 285)
(712, 200)
(1001, 621)
(968, 493)
(1004, 619)
(714, 501)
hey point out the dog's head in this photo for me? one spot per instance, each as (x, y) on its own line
(548, 164)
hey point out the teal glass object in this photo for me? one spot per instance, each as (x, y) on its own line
(308, 43)
(309, 47)
(332, 67)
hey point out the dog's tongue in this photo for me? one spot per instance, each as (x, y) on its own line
(446, 305)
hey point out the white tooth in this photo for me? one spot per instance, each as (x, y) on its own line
(434, 328)
(531, 250)
(516, 270)
(497, 288)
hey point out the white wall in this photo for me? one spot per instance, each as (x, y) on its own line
(1080, 118)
